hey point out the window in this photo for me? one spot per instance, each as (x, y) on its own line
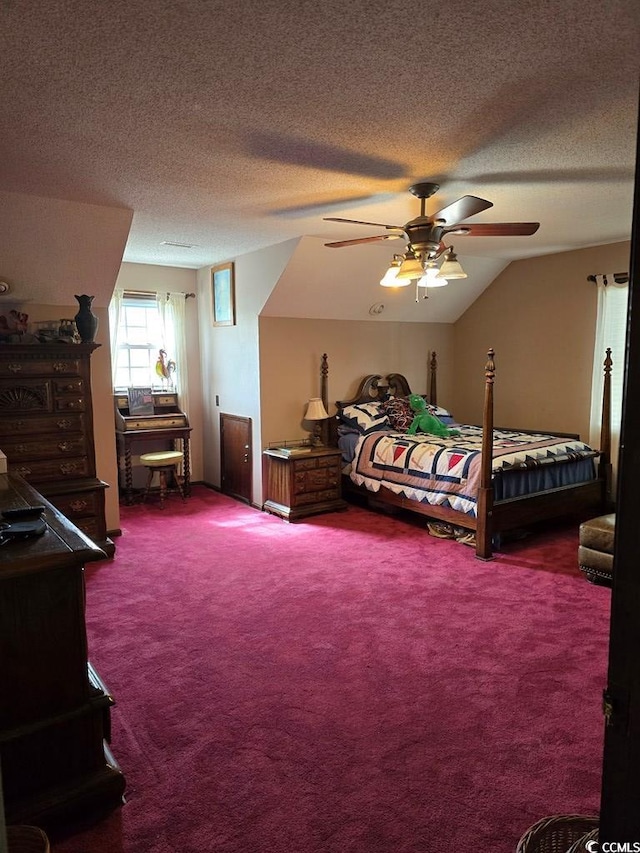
(611, 327)
(139, 342)
(142, 325)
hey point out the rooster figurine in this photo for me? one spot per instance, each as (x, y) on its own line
(165, 367)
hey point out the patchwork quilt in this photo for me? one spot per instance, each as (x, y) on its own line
(446, 471)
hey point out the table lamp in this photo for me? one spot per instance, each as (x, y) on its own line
(316, 412)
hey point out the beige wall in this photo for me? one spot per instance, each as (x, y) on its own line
(290, 357)
(53, 248)
(539, 315)
(230, 360)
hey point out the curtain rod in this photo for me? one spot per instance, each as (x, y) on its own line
(148, 294)
(619, 277)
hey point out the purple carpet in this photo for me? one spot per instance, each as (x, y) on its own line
(346, 684)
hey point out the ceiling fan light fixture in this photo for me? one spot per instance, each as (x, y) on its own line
(411, 266)
(431, 278)
(390, 278)
(451, 267)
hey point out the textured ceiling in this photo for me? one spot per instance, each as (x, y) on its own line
(235, 125)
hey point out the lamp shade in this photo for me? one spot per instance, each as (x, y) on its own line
(315, 410)
(432, 279)
(411, 267)
(451, 267)
(390, 278)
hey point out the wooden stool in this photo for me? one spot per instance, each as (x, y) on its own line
(166, 464)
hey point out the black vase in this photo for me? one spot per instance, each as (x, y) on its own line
(86, 321)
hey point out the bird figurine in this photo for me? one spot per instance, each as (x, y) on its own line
(165, 367)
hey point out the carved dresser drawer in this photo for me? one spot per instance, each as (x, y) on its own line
(37, 471)
(35, 366)
(78, 505)
(60, 424)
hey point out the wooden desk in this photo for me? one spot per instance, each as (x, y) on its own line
(126, 440)
(54, 708)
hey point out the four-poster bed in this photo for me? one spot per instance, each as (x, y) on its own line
(488, 481)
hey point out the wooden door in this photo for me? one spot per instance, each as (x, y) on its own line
(620, 801)
(236, 458)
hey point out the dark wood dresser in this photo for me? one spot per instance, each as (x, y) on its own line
(305, 484)
(54, 708)
(46, 429)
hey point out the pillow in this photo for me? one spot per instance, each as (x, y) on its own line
(399, 412)
(445, 416)
(365, 417)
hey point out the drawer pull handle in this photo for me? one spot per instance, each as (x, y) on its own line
(63, 424)
(60, 366)
(65, 446)
(14, 368)
(23, 471)
(78, 506)
(68, 468)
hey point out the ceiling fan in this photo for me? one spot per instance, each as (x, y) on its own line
(425, 233)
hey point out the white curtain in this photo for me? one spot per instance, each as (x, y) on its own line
(611, 328)
(172, 309)
(115, 307)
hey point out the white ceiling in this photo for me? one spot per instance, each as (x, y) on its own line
(231, 126)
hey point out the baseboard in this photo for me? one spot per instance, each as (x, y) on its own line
(220, 492)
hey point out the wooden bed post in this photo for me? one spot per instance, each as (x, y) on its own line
(484, 529)
(604, 466)
(433, 390)
(327, 438)
(324, 374)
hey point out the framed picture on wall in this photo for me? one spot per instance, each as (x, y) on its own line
(223, 299)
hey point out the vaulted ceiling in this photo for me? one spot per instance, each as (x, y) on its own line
(229, 126)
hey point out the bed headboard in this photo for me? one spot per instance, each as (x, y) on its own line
(376, 387)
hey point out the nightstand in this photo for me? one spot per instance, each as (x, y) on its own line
(303, 484)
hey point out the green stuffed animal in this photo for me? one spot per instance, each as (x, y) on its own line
(424, 421)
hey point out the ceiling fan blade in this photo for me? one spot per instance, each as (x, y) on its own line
(466, 206)
(359, 222)
(494, 229)
(355, 242)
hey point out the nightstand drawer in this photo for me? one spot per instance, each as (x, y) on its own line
(328, 462)
(311, 481)
(317, 497)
